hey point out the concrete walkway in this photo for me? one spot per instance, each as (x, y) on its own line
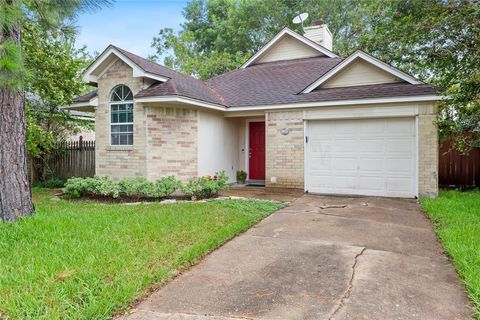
(376, 258)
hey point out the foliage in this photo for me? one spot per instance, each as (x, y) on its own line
(142, 188)
(456, 218)
(166, 186)
(54, 79)
(437, 41)
(52, 183)
(205, 187)
(137, 187)
(87, 260)
(52, 16)
(241, 176)
(78, 187)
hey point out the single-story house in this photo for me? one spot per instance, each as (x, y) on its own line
(295, 115)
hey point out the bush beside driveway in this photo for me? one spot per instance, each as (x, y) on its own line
(456, 218)
(88, 260)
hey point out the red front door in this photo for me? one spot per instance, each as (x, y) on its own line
(256, 163)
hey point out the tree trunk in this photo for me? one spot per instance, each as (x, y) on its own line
(15, 195)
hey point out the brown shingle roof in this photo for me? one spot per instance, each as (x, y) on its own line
(178, 84)
(271, 83)
(266, 84)
(86, 97)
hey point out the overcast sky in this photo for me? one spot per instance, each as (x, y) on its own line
(129, 24)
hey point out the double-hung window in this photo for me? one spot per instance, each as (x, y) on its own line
(121, 116)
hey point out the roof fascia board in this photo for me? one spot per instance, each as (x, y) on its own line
(137, 70)
(331, 103)
(368, 58)
(90, 103)
(181, 99)
(279, 35)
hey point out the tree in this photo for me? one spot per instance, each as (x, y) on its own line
(439, 42)
(219, 35)
(435, 40)
(54, 79)
(15, 195)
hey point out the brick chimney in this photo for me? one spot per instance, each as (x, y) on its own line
(318, 32)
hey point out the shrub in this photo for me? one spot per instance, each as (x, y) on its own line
(166, 186)
(52, 183)
(241, 176)
(74, 188)
(136, 187)
(206, 187)
(78, 187)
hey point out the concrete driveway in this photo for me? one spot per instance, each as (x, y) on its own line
(376, 258)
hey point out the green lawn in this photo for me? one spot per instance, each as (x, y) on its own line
(456, 218)
(84, 260)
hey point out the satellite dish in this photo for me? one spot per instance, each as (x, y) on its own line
(300, 18)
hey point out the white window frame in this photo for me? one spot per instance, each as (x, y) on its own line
(112, 103)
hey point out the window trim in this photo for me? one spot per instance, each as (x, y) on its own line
(110, 104)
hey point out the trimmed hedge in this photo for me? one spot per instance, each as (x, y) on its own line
(200, 188)
(136, 187)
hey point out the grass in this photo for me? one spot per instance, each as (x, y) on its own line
(84, 260)
(456, 218)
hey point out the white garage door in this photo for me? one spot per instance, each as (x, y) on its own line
(365, 157)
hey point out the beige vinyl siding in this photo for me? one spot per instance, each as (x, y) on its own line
(286, 49)
(358, 73)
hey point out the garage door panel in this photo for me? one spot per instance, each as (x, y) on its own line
(400, 166)
(321, 165)
(370, 145)
(399, 184)
(371, 165)
(342, 128)
(344, 145)
(371, 183)
(323, 131)
(367, 156)
(369, 127)
(345, 182)
(401, 126)
(400, 145)
(344, 163)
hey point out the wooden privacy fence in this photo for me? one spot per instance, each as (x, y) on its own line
(457, 170)
(70, 159)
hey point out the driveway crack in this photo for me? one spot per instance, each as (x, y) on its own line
(347, 292)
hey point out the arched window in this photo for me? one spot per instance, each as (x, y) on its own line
(121, 116)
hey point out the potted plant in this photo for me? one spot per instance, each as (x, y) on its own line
(241, 177)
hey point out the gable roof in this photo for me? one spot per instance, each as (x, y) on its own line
(287, 32)
(366, 57)
(110, 55)
(268, 84)
(272, 82)
(170, 81)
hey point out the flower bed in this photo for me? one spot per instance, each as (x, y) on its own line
(135, 189)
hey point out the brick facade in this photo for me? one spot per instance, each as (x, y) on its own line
(164, 141)
(427, 152)
(172, 142)
(284, 153)
(119, 161)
